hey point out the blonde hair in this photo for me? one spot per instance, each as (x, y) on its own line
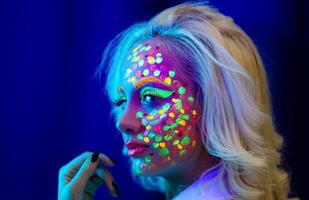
(236, 123)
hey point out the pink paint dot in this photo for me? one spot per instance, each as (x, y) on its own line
(143, 166)
(151, 52)
(139, 73)
(152, 67)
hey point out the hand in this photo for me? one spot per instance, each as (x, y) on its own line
(81, 177)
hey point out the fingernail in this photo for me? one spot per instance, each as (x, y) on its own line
(94, 157)
(116, 189)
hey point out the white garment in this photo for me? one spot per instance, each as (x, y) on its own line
(207, 188)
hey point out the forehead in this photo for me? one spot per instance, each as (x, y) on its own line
(154, 60)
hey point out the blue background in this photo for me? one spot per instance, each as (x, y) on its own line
(51, 110)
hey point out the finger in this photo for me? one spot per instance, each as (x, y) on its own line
(111, 184)
(86, 170)
(76, 162)
(105, 160)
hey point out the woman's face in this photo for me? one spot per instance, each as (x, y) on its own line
(156, 110)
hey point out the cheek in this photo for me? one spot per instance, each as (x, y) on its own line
(170, 131)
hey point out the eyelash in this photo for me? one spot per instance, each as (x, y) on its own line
(119, 102)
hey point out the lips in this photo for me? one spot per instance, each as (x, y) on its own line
(136, 148)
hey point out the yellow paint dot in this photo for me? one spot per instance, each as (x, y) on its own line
(151, 59)
(133, 79)
(162, 144)
(161, 111)
(146, 139)
(182, 122)
(176, 131)
(172, 115)
(168, 158)
(193, 143)
(150, 117)
(148, 127)
(174, 100)
(193, 112)
(168, 80)
(135, 49)
(182, 111)
(179, 146)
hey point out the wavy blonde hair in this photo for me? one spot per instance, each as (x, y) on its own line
(236, 123)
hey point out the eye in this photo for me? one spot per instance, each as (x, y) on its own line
(151, 95)
(151, 98)
(119, 102)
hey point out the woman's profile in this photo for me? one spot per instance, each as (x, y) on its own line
(191, 101)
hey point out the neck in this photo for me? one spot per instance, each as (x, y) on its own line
(179, 180)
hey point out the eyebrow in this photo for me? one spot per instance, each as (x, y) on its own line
(146, 80)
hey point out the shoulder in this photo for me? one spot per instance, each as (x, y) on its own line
(207, 187)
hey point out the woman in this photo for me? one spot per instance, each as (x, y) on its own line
(191, 100)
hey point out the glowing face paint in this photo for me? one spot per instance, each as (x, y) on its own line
(166, 116)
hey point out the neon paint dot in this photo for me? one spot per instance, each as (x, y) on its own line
(168, 81)
(181, 90)
(143, 166)
(166, 106)
(186, 116)
(138, 171)
(140, 63)
(151, 135)
(140, 137)
(156, 73)
(147, 159)
(139, 114)
(179, 146)
(171, 73)
(182, 111)
(146, 72)
(193, 112)
(165, 128)
(158, 138)
(148, 127)
(159, 60)
(139, 73)
(133, 79)
(163, 115)
(151, 52)
(151, 60)
(182, 122)
(161, 111)
(164, 152)
(191, 98)
(176, 142)
(147, 48)
(129, 57)
(173, 125)
(129, 71)
(146, 139)
(158, 55)
(155, 145)
(152, 167)
(144, 122)
(167, 137)
(162, 144)
(185, 140)
(157, 129)
(150, 117)
(172, 115)
(168, 158)
(135, 49)
(154, 112)
(182, 152)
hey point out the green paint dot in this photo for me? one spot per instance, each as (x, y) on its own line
(167, 137)
(147, 159)
(146, 72)
(158, 138)
(171, 73)
(164, 152)
(185, 140)
(165, 128)
(176, 142)
(182, 152)
(166, 106)
(138, 171)
(140, 137)
(155, 145)
(181, 90)
(156, 73)
(139, 114)
(151, 135)
(191, 98)
(186, 116)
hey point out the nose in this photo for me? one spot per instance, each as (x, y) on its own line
(128, 123)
